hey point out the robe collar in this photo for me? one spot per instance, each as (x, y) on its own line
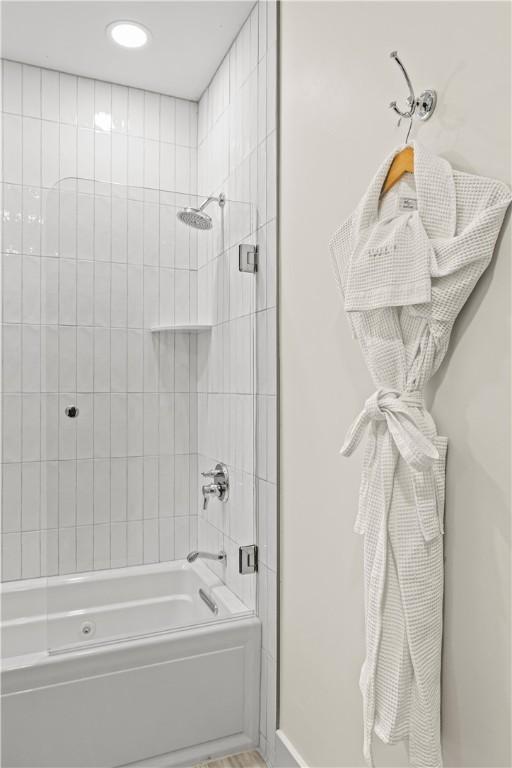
(435, 191)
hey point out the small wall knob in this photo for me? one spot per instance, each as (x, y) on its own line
(72, 411)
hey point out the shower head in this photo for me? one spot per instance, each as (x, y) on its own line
(197, 217)
(193, 217)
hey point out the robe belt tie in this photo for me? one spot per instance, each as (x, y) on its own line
(395, 409)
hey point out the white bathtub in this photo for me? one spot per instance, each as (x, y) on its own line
(106, 669)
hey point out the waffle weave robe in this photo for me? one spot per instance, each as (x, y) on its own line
(405, 265)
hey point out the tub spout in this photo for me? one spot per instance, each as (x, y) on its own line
(219, 556)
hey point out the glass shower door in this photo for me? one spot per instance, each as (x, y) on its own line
(149, 380)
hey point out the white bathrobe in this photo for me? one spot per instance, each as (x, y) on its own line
(405, 265)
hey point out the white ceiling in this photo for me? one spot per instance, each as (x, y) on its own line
(189, 39)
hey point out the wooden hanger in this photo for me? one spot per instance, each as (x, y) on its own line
(402, 163)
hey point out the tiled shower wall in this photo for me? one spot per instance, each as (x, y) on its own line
(237, 156)
(113, 487)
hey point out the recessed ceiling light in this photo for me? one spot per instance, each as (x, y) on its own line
(128, 34)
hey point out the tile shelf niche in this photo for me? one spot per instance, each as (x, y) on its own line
(182, 328)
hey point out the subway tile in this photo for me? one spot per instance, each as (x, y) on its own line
(119, 159)
(102, 228)
(11, 497)
(67, 358)
(119, 230)
(101, 547)
(85, 153)
(151, 303)
(11, 556)
(167, 169)
(50, 95)
(183, 173)
(134, 542)
(102, 106)
(166, 487)
(31, 427)
(12, 149)
(151, 115)
(68, 99)
(183, 117)
(32, 217)
(84, 548)
(135, 232)
(67, 291)
(84, 492)
(167, 119)
(102, 156)
(85, 426)
(67, 494)
(102, 294)
(165, 539)
(50, 426)
(118, 425)
(31, 365)
(49, 291)
(135, 309)
(12, 219)
(11, 87)
(67, 550)
(31, 149)
(67, 220)
(118, 489)
(150, 544)
(31, 496)
(135, 494)
(50, 171)
(135, 361)
(101, 360)
(151, 413)
(118, 545)
(118, 305)
(181, 537)
(101, 491)
(67, 428)
(150, 484)
(68, 160)
(101, 425)
(135, 161)
(151, 162)
(135, 112)
(119, 108)
(30, 555)
(135, 429)
(12, 299)
(49, 553)
(150, 236)
(118, 360)
(49, 494)
(31, 91)
(85, 105)
(85, 293)
(12, 358)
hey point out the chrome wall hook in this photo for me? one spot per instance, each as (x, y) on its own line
(421, 106)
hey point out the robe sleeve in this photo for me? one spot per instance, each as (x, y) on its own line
(458, 262)
(340, 248)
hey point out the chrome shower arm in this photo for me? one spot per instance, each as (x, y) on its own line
(220, 200)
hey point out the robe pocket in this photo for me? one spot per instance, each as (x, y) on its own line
(429, 491)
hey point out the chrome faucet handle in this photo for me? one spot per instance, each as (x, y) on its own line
(219, 487)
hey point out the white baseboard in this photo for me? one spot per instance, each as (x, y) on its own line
(286, 756)
(185, 758)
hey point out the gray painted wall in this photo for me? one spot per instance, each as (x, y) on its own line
(337, 80)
